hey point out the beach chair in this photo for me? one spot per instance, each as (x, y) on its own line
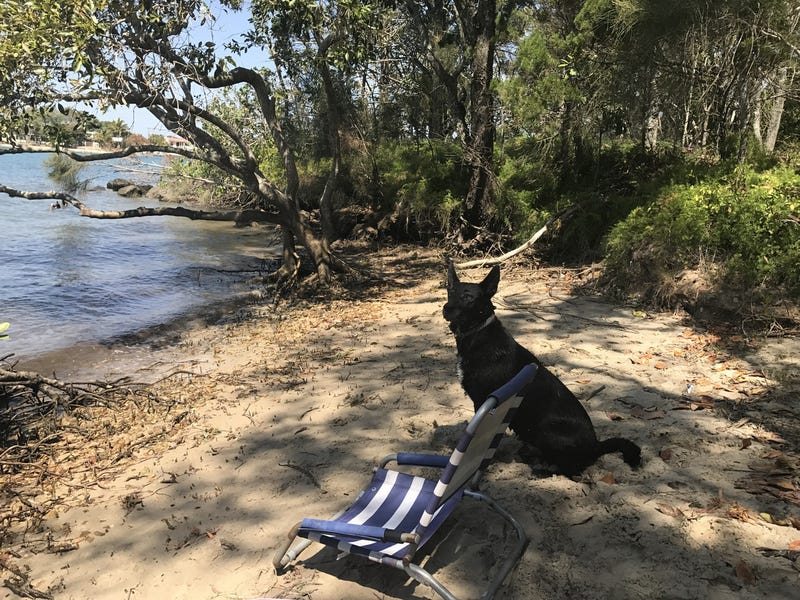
(395, 515)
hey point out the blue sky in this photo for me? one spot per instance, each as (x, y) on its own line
(228, 25)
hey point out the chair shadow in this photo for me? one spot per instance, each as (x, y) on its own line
(461, 556)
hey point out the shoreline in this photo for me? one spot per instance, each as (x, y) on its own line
(144, 351)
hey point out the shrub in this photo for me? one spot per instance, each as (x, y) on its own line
(427, 182)
(744, 221)
(66, 172)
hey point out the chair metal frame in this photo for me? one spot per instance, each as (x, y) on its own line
(395, 541)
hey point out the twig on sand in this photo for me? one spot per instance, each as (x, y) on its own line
(302, 470)
(56, 433)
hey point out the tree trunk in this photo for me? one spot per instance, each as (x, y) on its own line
(291, 260)
(651, 123)
(480, 144)
(757, 110)
(776, 112)
(317, 248)
(327, 217)
(686, 140)
(295, 229)
(652, 127)
(705, 126)
(744, 120)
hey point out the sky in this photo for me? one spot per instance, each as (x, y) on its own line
(227, 26)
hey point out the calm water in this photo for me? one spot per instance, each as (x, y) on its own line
(66, 279)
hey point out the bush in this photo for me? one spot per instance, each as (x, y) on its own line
(743, 221)
(528, 189)
(66, 172)
(427, 182)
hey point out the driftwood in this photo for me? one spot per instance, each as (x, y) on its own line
(489, 262)
(50, 445)
(35, 408)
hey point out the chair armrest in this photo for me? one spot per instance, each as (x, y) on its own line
(337, 528)
(417, 459)
(517, 384)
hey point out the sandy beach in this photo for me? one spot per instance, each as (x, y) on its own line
(281, 411)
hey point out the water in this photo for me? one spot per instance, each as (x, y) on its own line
(67, 279)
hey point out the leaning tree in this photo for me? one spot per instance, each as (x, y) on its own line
(116, 52)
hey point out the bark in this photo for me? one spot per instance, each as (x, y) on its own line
(324, 261)
(705, 130)
(266, 100)
(326, 211)
(651, 125)
(743, 119)
(291, 260)
(776, 111)
(480, 144)
(757, 110)
(652, 128)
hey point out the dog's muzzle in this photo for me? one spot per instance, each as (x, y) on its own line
(448, 313)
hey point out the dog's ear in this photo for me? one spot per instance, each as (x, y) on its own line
(489, 284)
(452, 278)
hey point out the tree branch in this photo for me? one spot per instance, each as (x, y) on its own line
(121, 153)
(239, 217)
(487, 262)
(191, 109)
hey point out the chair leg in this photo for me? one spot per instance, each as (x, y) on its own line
(508, 565)
(426, 578)
(284, 555)
(514, 556)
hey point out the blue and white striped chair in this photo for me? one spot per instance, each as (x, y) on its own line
(397, 513)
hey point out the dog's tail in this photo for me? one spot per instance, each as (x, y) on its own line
(631, 453)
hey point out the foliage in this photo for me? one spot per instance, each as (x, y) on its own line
(458, 118)
(112, 133)
(746, 221)
(66, 172)
(423, 181)
(528, 188)
(157, 139)
(54, 127)
(540, 81)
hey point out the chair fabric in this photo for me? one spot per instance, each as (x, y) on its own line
(397, 512)
(393, 501)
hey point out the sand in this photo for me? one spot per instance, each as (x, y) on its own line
(287, 409)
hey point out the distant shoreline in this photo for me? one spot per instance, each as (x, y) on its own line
(46, 148)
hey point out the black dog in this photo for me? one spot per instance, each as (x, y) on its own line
(550, 417)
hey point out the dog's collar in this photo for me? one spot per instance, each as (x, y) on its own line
(475, 330)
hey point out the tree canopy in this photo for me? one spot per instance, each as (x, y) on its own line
(466, 119)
